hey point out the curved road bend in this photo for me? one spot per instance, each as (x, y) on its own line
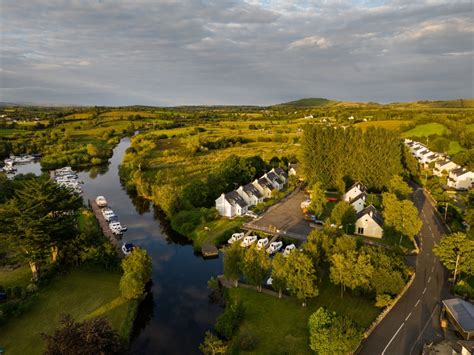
(415, 318)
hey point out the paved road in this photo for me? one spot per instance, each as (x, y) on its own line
(415, 318)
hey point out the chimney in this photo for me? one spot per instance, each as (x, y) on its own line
(371, 213)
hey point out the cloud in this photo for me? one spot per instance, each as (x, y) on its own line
(312, 41)
(167, 52)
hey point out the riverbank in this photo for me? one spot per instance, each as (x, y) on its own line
(83, 293)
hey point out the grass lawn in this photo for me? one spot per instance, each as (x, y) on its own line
(17, 277)
(281, 324)
(454, 148)
(387, 124)
(81, 293)
(425, 130)
(217, 230)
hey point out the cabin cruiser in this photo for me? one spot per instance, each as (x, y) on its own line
(116, 227)
(108, 214)
(24, 159)
(101, 201)
(127, 248)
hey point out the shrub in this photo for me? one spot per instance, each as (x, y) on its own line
(246, 341)
(229, 321)
(32, 288)
(184, 222)
(131, 287)
(383, 301)
(462, 288)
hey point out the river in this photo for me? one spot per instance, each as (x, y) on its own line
(177, 312)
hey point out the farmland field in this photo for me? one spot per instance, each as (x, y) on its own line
(425, 130)
(387, 124)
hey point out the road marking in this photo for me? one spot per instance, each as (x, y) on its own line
(429, 279)
(390, 342)
(430, 229)
(432, 268)
(408, 316)
(417, 302)
(424, 290)
(424, 328)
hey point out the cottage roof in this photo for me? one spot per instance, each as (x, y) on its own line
(462, 311)
(432, 156)
(279, 171)
(250, 189)
(372, 211)
(264, 182)
(362, 195)
(358, 184)
(273, 177)
(443, 162)
(234, 198)
(459, 171)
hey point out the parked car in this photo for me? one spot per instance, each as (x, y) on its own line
(235, 238)
(251, 214)
(262, 243)
(288, 250)
(249, 240)
(127, 248)
(274, 247)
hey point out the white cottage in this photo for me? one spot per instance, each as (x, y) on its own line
(461, 179)
(274, 179)
(444, 165)
(282, 174)
(264, 186)
(250, 194)
(231, 204)
(358, 202)
(355, 190)
(369, 223)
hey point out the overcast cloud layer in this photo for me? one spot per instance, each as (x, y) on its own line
(173, 52)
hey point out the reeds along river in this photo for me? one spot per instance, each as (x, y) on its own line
(177, 312)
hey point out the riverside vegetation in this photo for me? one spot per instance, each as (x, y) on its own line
(181, 159)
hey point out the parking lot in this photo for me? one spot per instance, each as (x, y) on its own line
(286, 217)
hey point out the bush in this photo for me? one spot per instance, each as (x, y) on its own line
(131, 287)
(32, 288)
(383, 301)
(246, 341)
(463, 289)
(185, 222)
(229, 321)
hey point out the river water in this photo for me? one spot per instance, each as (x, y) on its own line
(177, 312)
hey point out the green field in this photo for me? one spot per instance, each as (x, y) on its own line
(81, 293)
(425, 130)
(17, 277)
(387, 124)
(217, 229)
(454, 148)
(281, 324)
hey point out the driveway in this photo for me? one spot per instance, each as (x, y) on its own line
(286, 217)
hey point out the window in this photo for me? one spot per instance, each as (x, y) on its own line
(360, 230)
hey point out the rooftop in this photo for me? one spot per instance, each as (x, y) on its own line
(462, 311)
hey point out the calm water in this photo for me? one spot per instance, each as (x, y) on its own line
(174, 318)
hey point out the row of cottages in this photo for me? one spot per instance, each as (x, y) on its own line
(369, 221)
(458, 177)
(237, 202)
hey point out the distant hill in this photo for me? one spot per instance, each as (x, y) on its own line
(309, 102)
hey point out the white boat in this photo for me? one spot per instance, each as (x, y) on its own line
(127, 248)
(116, 227)
(262, 243)
(288, 250)
(274, 247)
(249, 240)
(235, 238)
(9, 161)
(101, 201)
(108, 214)
(24, 159)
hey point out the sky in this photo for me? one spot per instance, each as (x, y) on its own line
(259, 52)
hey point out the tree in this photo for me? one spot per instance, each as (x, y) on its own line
(212, 345)
(279, 276)
(92, 150)
(139, 262)
(38, 221)
(399, 187)
(402, 216)
(228, 322)
(318, 199)
(131, 286)
(232, 262)
(255, 266)
(343, 214)
(330, 333)
(456, 248)
(92, 336)
(301, 276)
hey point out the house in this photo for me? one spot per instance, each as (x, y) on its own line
(294, 169)
(422, 152)
(274, 180)
(444, 165)
(461, 315)
(461, 179)
(231, 204)
(354, 191)
(358, 202)
(369, 223)
(250, 194)
(281, 174)
(429, 158)
(264, 186)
